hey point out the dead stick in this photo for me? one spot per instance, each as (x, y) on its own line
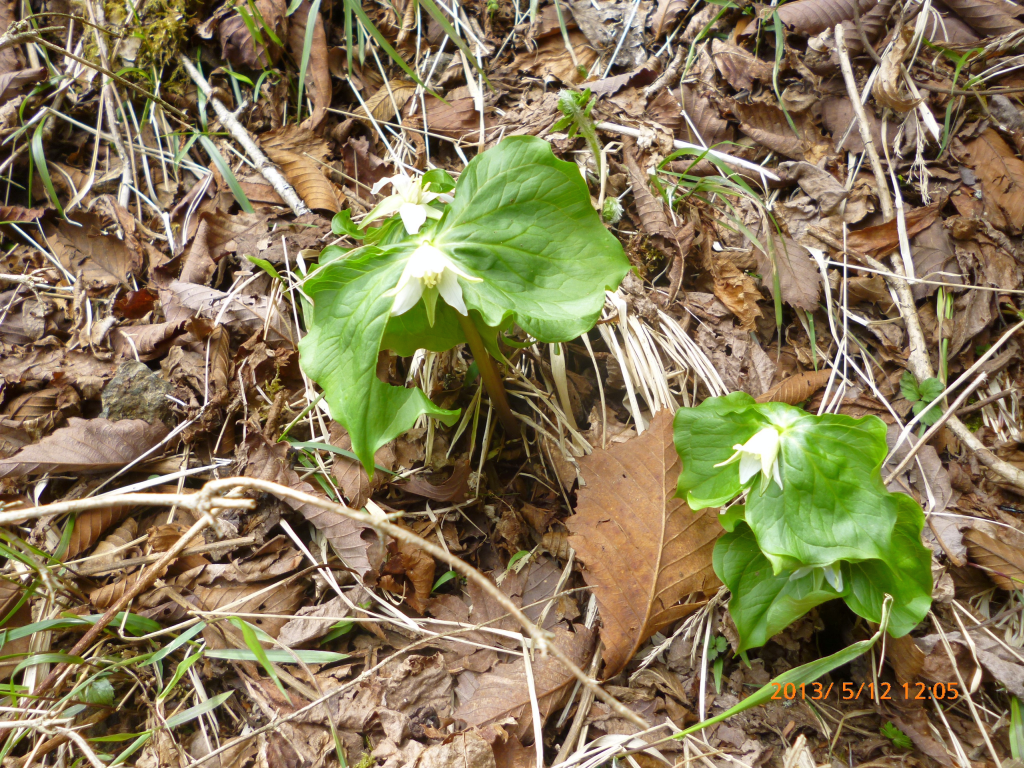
(267, 169)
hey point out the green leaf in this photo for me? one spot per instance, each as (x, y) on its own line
(100, 692)
(932, 411)
(899, 739)
(227, 173)
(931, 389)
(179, 672)
(39, 158)
(439, 180)
(443, 579)
(763, 603)
(346, 327)
(265, 265)
(909, 388)
(833, 505)
(705, 436)
(907, 576)
(522, 220)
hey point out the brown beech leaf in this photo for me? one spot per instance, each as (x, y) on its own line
(666, 15)
(453, 489)
(644, 549)
(464, 750)
(236, 39)
(883, 239)
(1002, 180)
(740, 68)
(409, 572)
(1003, 560)
(90, 525)
(886, 89)
(809, 17)
(352, 542)
(767, 125)
(113, 547)
(796, 389)
(105, 596)
(278, 603)
(837, 116)
(293, 138)
(303, 174)
(86, 445)
(989, 19)
(102, 260)
(387, 102)
(503, 692)
(145, 342)
(351, 476)
(799, 278)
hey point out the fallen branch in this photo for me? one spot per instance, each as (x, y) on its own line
(227, 118)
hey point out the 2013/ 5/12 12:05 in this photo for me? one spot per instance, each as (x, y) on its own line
(852, 691)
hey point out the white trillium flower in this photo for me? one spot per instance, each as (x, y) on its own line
(410, 200)
(759, 454)
(832, 573)
(427, 273)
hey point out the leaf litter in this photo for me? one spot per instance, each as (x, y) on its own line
(149, 318)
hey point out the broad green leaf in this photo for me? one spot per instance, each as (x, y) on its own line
(705, 436)
(100, 692)
(907, 576)
(931, 410)
(346, 327)
(833, 505)
(802, 675)
(763, 603)
(522, 220)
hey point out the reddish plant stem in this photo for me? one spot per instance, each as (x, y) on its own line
(492, 379)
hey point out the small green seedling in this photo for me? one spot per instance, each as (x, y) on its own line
(899, 739)
(817, 523)
(922, 395)
(516, 241)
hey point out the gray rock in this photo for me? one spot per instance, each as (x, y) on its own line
(136, 392)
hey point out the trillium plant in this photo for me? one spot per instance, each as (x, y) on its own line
(514, 241)
(806, 515)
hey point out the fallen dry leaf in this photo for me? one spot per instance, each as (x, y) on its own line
(1002, 180)
(453, 489)
(86, 446)
(1003, 561)
(643, 547)
(504, 693)
(350, 540)
(883, 239)
(796, 389)
(310, 183)
(799, 278)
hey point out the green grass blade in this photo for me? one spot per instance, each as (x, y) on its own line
(277, 656)
(227, 173)
(39, 158)
(435, 13)
(177, 642)
(307, 48)
(183, 667)
(199, 709)
(383, 43)
(249, 636)
(802, 675)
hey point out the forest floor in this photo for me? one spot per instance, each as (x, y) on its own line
(854, 248)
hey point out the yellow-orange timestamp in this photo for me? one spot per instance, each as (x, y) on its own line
(851, 691)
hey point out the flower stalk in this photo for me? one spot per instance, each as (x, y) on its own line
(491, 378)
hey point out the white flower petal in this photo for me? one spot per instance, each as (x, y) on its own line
(834, 576)
(799, 573)
(451, 292)
(750, 465)
(413, 217)
(407, 297)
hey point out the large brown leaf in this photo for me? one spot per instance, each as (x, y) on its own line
(504, 693)
(303, 174)
(767, 125)
(809, 17)
(1002, 180)
(350, 540)
(987, 18)
(90, 525)
(644, 549)
(880, 240)
(799, 278)
(103, 261)
(86, 445)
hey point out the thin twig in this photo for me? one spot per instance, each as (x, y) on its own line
(267, 169)
(862, 124)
